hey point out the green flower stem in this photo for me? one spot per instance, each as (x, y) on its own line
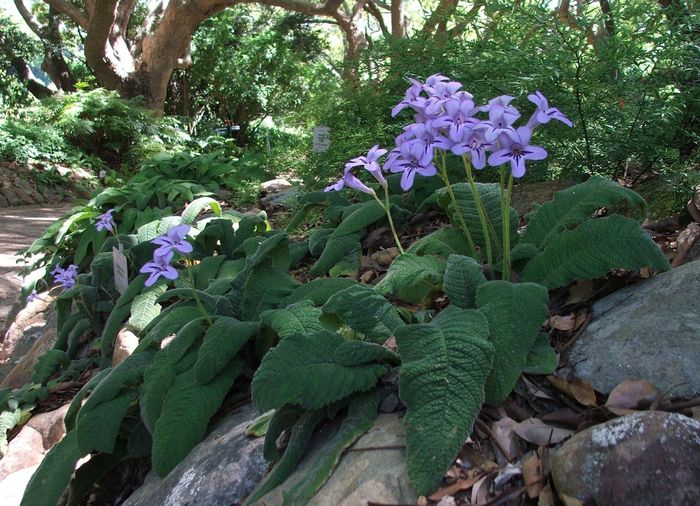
(458, 211)
(480, 207)
(387, 210)
(505, 209)
(197, 301)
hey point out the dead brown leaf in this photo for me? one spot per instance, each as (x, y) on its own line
(632, 394)
(570, 501)
(546, 496)
(391, 344)
(480, 490)
(456, 487)
(577, 388)
(562, 322)
(535, 431)
(580, 292)
(506, 439)
(366, 277)
(535, 390)
(532, 475)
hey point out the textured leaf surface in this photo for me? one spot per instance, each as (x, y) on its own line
(284, 417)
(441, 381)
(335, 250)
(157, 380)
(302, 370)
(299, 438)
(300, 318)
(364, 310)
(542, 358)
(575, 205)
(98, 429)
(195, 207)
(592, 249)
(185, 415)
(47, 364)
(515, 313)
(185, 338)
(222, 341)
(490, 195)
(54, 473)
(265, 289)
(168, 322)
(443, 242)
(318, 290)
(413, 278)
(361, 414)
(144, 307)
(463, 275)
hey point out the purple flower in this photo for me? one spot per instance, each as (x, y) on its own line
(439, 93)
(369, 163)
(458, 116)
(544, 113)
(105, 221)
(412, 98)
(157, 268)
(501, 118)
(350, 180)
(172, 241)
(66, 277)
(427, 135)
(32, 296)
(475, 144)
(412, 158)
(516, 150)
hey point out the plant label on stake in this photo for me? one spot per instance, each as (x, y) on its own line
(321, 138)
(121, 272)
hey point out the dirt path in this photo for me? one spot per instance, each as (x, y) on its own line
(19, 227)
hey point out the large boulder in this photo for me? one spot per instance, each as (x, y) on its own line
(372, 470)
(649, 331)
(647, 458)
(222, 469)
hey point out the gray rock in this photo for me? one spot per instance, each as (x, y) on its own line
(372, 470)
(11, 196)
(221, 470)
(275, 185)
(647, 331)
(3, 201)
(636, 460)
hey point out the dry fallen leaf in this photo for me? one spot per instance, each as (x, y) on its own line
(577, 388)
(506, 438)
(480, 490)
(570, 501)
(366, 277)
(632, 394)
(447, 501)
(391, 344)
(535, 390)
(580, 292)
(456, 487)
(562, 322)
(546, 496)
(535, 431)
(532, 475)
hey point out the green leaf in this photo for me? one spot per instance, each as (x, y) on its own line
(592, 249)
(185, 415)
(261, 424)
(463, 276)
(365, 311)
(8, 421)
(195, 207)
(120, 313)
(76, 403)
(185, 339)
(283, 418)
(542, 358)
(318, 290)
(157, 380)
(303, 370)
(515, 313)
(575, 205)
(89, 473)
(490, 195)
(144, 308)
(98, 429)
(300, 318)
(54, 473)
(441, 381)
(443, 242)
(265, 289)
(223, 340)
(361, 414)
(48, 364)
(301, 433)
(168, 322)
(318, 238)
(335, 250)
(360, 217)
(413, 279)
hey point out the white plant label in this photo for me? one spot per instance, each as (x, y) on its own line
(121, 272)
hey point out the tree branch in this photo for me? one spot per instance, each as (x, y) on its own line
(72, 11)
(372, 9)
(397, 28)
(29, 18)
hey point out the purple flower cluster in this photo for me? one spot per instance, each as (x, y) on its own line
(65, 277)
(446, 118)
(106, 222)
(173, 241)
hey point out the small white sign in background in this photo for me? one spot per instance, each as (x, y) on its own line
(121, 272)
(321, 138)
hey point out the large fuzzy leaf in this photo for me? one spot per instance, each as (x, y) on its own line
(168, 322)
(195, 207)
(364, 310)
(441, 381)
(362, 411)
(54, 473)
(443, 242)
(575, 205)
(335, 250)
(99, 427)
(144, 307)
(304, 370)
(222, 341)
(490, 195)
(412, 278)
(120, 313)
(515, 313)
(282, 419)
(157, 380)
(185, 339)
(463, 275)
(185, 415)
(299, 438)
(265, 288)
(592, 249)
(542, 358)
(300, 318)
(318, 290)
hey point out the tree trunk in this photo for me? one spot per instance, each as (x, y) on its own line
(54, 64)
